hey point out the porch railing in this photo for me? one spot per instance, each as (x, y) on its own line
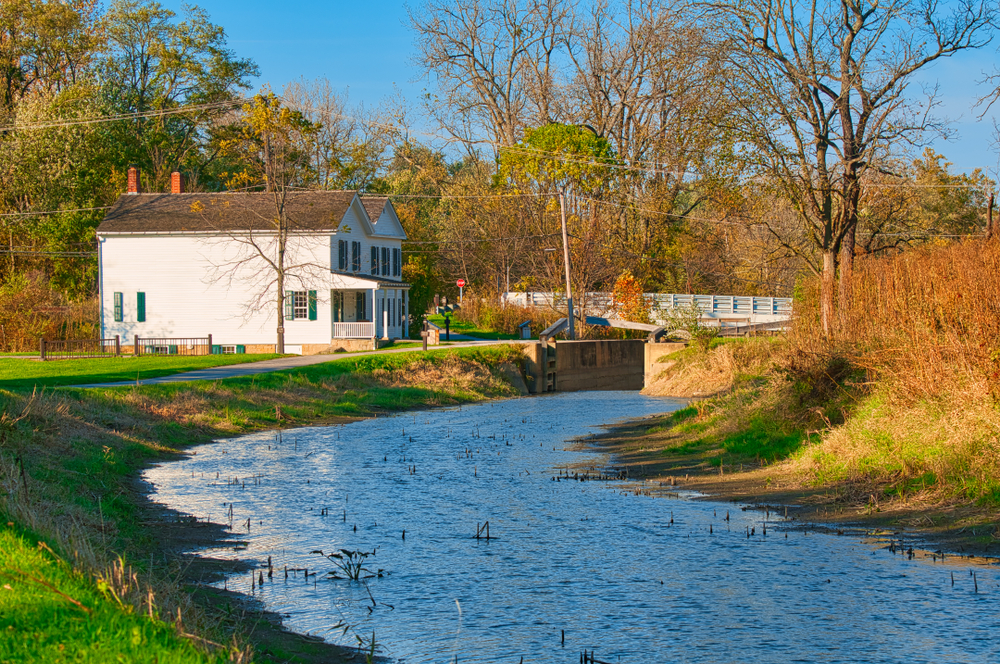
(356, 330)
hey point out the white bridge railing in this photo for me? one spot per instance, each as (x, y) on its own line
(713, 307)
(358, 330)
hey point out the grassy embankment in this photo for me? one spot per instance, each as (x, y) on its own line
(895, 419)
(70, 507)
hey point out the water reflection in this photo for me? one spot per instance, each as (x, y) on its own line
(631, 577)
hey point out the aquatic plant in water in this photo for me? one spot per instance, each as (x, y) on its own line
(351, 565)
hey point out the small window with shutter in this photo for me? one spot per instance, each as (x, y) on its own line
(356, 257)
(342, 255)
(119, 303)
(385, 261)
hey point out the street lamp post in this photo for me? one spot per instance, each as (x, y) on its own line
(569, 287)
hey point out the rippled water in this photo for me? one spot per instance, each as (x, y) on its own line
(634, 578)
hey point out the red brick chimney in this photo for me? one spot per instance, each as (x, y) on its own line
(176, 183)
(133, 180)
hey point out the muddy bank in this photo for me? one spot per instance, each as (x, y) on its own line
(639, 448)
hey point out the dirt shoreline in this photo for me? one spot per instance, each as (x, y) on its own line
(178, 540)
(952, 528)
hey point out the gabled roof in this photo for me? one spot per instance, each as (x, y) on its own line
(180, 213)
(383, 216)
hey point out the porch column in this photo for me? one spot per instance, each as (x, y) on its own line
(385, 315)
(406, 314)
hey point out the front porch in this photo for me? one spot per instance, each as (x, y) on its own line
(369, 309)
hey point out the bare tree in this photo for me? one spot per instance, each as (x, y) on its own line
(351, 145)
(824, 88)
(268, 244)
(493, 62)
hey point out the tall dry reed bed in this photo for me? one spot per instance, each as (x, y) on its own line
(922, 333)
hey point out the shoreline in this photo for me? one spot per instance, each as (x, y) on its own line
(179, 539)
(951, 528)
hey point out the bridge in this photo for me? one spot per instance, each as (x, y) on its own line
(723, 311)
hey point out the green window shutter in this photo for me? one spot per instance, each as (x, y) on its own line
(241, 349)
(374, 260)
(171, 350)
(312, 305)
(119, 308)
(216, 349)
(289, 305)
(140, 307)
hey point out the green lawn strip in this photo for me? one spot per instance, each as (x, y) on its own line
(25, 374)
(50, 612)
(468, 329)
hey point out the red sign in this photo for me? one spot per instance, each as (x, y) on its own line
(460, 283)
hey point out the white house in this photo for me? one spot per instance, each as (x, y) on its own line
(185, 265)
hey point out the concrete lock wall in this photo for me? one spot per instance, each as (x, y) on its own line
(600, 365)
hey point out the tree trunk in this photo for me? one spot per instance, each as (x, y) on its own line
(279, 347)
(846, 285)
(827, 283)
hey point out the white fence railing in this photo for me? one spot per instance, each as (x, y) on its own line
(741, 307)
(359, 330)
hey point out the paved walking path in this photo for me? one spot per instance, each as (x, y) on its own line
(282, 363)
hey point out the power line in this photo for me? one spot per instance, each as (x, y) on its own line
(44, 212)
(126, 116)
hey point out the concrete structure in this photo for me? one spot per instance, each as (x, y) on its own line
(183, 265)
(600, 365)
(572, 366)
(654, 357)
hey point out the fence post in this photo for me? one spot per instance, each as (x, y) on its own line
(41, 348)
(118, 346)
(135, 339)
(209, 352)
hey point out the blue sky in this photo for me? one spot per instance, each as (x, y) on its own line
(366, 46)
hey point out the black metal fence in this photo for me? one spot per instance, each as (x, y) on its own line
(172, 346)
(68, 349)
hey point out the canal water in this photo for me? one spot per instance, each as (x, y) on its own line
(570, 565)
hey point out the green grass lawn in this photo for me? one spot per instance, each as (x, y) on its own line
(50, 612)
(27, 374)
(463, 327)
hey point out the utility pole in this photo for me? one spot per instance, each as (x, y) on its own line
(569, 287)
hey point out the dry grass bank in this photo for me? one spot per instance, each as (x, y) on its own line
(897, 414)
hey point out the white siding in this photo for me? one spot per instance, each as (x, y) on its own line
(188, 296)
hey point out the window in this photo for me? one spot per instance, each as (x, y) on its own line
(396, 267)
(342, 255)
(356, 256)
(140, 307)
(300, 305)
(374, 260)
(385, 261)
(119, 307)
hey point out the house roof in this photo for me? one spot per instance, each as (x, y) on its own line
(179, 213)
(386, 225)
